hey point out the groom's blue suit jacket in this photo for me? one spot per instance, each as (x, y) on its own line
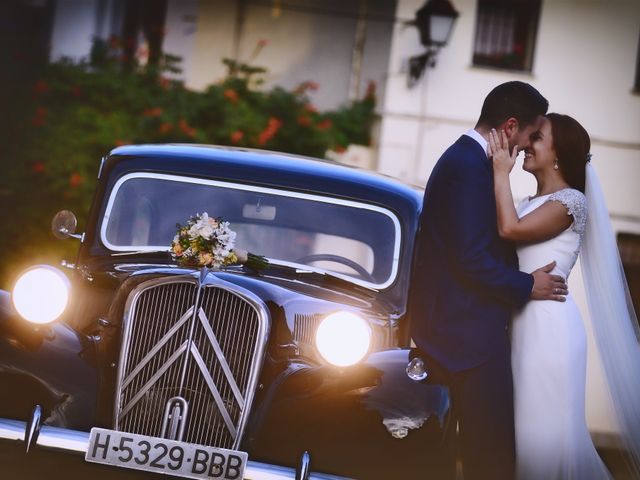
(466, 284)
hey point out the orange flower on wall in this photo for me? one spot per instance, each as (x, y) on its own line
(152, 112)
(258, 48)
(304, 120)
(236, 136)
(39, 117)
(308, 85)
(165, 127)
(75, 180)
(114, 42)
(325, 124)
(164, 82)
(186, 128)
(41, 87)
(231, 95)
(268, 133)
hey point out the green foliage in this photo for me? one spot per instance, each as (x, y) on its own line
(62, 121)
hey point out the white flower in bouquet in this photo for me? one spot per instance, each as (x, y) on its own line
(205, 227)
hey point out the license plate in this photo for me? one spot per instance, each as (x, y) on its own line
(160, 455)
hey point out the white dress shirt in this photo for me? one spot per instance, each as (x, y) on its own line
(480, 139)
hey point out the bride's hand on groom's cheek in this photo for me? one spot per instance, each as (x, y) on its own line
(503, 162)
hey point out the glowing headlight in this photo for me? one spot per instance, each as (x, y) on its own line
(41, 294)
(343, 338)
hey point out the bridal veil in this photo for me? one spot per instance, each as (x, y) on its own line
(613, 317)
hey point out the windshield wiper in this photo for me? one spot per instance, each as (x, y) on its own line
(138, 252)
(300, 271)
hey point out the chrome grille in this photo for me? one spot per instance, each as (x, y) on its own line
(305, 326)
(199, 343)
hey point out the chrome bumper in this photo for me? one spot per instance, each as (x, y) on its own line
(73, 441)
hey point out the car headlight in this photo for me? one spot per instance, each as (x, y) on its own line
(343, 338)
(41, 294)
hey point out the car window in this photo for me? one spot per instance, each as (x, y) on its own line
(352, 239)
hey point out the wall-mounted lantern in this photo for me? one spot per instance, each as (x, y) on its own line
(434, 22)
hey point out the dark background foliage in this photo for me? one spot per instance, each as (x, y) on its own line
(58, 120)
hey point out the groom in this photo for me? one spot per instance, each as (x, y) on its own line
(466, 284)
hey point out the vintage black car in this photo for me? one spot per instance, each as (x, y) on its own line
(129, 363)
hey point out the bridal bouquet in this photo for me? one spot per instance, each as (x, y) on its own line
(209, 242)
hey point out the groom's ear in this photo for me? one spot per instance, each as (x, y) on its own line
(511, 126)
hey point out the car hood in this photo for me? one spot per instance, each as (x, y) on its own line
(302, 292)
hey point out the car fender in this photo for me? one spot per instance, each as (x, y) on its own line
(52, 366)
(368, 421)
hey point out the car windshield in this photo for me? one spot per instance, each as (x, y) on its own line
(354, 240)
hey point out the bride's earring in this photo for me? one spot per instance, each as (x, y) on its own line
(555, 164)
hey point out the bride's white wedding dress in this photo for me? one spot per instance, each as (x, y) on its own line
(549, 356)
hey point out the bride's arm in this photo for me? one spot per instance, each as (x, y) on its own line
(543, 223)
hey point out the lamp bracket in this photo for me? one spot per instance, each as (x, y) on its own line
(417, 66)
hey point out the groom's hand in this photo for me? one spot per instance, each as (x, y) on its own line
(547, 286)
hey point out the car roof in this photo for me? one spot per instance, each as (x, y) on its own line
(264, 167)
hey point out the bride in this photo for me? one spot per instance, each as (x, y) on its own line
(566, 217)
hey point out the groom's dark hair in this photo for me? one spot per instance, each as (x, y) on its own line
(512, 99)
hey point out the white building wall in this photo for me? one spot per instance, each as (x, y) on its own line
(301, 44)
(584, 63)
(180, 33)
(77, 23)
(74, 27)
(214, 39)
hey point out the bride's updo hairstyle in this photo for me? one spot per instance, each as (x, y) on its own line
(572, 144)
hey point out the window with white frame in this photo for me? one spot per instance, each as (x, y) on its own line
(505, 33)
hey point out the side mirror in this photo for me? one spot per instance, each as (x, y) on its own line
(64, 225)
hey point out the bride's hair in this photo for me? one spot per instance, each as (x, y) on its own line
(572, 144)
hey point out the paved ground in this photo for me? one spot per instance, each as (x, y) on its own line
(617, 464)
(614, 460)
